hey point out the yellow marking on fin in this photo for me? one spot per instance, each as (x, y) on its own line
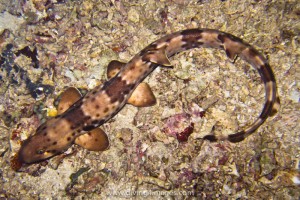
(68, 98)
(142, 96)
(95, 140)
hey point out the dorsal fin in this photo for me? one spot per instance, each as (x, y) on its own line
(157, 56)
(142, 96)
(95, 140)
(68, 98)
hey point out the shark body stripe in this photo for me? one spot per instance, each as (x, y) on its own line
(103, 102)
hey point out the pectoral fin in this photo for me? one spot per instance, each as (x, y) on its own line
(142, 96)
(68, 98)
(113, 68)
(95, 140)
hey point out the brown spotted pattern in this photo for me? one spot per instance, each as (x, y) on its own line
(104, 102)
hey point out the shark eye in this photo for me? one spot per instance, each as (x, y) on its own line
(40, 151)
